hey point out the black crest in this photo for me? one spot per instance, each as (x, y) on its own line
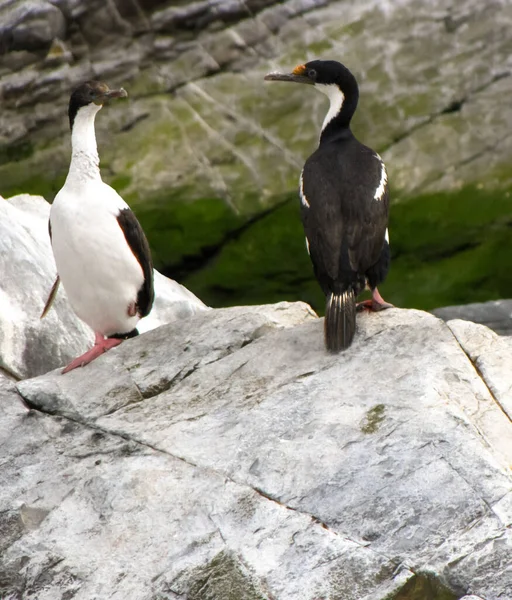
(85, 94)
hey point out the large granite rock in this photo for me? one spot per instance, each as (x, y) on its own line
(248, 139)
(228, 456)
(207, 150)
(30, 346)
(495, 314)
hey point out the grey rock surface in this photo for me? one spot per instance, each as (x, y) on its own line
(491, 356)
(496, 314)
(229, 451)
(28, 345)
(221, 118)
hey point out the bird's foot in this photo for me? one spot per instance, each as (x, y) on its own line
(101, 345)
(376, 303)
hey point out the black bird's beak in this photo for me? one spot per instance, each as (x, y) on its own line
(120, 93)
(105, 94)
(298, 75)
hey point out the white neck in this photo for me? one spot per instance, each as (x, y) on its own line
(336, 98)
(85, 162)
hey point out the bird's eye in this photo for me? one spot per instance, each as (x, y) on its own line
(312, 74)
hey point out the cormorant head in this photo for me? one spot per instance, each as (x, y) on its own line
(319, 73)
(91, 93)
(334, 80)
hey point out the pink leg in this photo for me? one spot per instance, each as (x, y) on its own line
(375, 304)
(101, 345)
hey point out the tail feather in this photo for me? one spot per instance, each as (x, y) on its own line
(340, 320)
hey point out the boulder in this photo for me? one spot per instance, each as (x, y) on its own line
(229, 456)
(496, 314)
(205, 149)
(30, 346)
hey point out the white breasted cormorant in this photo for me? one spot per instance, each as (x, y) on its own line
(344, 205)
(102, 255)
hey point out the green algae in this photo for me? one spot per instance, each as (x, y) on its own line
(447, 248)
(424, 587)
(223, 577)
(373, 419)
(182, 233)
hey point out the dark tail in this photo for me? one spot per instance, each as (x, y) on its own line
(340, 320)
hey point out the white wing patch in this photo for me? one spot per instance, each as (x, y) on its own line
(386, 236)
(303, 198)
(379, 192)
(307, 246)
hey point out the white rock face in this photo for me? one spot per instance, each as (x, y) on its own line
(30, 346)
(229, 456)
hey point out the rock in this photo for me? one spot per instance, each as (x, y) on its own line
(29, 25)
(202, 131)
(230, 454)
(496, 314)
(491, 356)
(30, 346)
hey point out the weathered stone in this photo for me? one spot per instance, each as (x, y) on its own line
(269, 466)
(491, 356)
(496, 315)
(29, 346)
(30, 25)
(211, 130)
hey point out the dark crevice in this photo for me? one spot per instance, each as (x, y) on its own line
(482, 377)
(135, 121)
(9, 374)
(266, 495)
(191, 263)
(454, 106)
(165, 386)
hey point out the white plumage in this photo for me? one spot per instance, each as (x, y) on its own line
(99, 272)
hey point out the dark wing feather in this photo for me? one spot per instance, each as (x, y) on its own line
(344, 224)
(55, 286)
(139, 246)
(51, 297)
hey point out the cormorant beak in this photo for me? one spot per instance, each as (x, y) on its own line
(298, 75)
(120, 93)
(108, 94)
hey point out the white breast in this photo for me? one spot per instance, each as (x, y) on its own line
(98, 270)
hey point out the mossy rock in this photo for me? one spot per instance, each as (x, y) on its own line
(446, 249)
(424, 587)
(224, 577)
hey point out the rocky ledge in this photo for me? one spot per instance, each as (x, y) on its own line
(228, 456)
(28, 345)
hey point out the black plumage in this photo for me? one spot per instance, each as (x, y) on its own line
(139, 245)
(344, 205)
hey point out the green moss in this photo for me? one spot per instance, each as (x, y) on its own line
(447, 249)
(424, 587)
(40, 184)
(373, 419)
(182, 233)
(120, 182)
(16, 152)
(451, 249)
(224, 577)
(265, 262)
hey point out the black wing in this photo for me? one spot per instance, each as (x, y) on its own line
(344, 223)
(139, 246)
(55, 286)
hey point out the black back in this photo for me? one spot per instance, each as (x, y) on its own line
(344, 223)
(139, 246)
